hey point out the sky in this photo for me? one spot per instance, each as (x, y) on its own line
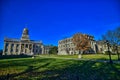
(53, 20)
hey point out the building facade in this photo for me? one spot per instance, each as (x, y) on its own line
(66, 46)
(46, 49)
(24, 46)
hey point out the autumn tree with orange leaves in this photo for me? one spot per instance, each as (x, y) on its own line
(81, 42)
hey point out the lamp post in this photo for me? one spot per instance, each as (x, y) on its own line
(108, 45)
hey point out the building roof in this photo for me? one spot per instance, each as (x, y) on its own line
(18, 40)
(11, 39)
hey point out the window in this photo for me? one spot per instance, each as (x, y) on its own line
(33, 50)
(17, 45)
(33, 46)
(30, 46)
(16, 50)
(6, 44)
(69, 49)
(6, 50)
(22, 46)
(101, 49)
(26, 46)
(36, 50)
(11, 50)
(36, 46)
(12, 45)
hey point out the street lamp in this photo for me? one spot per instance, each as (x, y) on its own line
(108, 45)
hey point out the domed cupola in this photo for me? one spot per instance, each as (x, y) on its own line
(25, 34)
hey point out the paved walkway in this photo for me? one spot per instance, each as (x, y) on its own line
(82, 59)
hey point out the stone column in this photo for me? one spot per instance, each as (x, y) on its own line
(42, 49)
(32, 49)
(14, 49)
(94, 46)
(4, 48)
(9, 49)
(24, 48)
(19, 50)
(29, 48)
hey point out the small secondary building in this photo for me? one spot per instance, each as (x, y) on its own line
(66, 46)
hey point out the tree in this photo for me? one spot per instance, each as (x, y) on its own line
(53, 50)
(110, 37)
(113, 36)
(117, 36)
(108, 45)
(81, 42)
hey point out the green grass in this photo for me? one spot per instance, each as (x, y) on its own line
(88, 56)
(100, 57)
(57, 69)
(60, 56)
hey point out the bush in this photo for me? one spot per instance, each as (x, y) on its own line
(13, 56)
(53, 50)
(107, 52)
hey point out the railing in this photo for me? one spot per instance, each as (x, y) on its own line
(37, 41)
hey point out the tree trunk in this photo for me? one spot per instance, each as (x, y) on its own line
(80, 54)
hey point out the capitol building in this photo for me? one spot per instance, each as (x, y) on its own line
(24, 46)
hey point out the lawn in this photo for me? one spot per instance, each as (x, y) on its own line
(100, 57)
(57, 69)
(88, 56)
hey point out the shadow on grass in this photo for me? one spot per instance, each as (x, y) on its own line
(30, 69)
(85, 71)
(14, 56)
(57, 69)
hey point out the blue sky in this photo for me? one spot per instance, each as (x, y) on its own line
(52, 20)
